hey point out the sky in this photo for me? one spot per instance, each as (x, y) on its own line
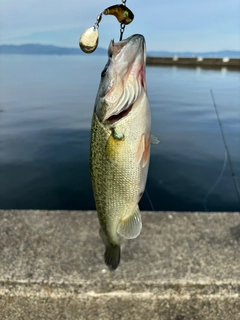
(169, 25)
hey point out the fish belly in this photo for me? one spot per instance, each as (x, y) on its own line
(114, 174)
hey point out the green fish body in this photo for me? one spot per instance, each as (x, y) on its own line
(120, 145)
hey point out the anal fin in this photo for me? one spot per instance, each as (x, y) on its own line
(131, 227)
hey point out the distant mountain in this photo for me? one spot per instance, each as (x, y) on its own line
(54, 50)
(214, 54)
(44, 49)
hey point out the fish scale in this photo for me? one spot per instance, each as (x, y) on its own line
(112, 175)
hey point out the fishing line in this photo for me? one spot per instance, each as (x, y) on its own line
(226, 147)
(151, 204)
(216, 183)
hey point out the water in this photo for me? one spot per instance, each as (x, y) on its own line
(46, 104)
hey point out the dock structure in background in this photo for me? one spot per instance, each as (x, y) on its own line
(194, 62)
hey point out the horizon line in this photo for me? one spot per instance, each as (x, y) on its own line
(154, 50)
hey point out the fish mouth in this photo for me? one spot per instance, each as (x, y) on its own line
(128, 57)
(128, 47)
(116, 117)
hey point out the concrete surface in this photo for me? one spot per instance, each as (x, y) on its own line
(183, 266)
(232, 63)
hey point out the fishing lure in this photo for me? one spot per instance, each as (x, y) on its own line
(121, 12)
(88, 41)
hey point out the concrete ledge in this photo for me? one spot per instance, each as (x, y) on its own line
(233, 63)
(183, 266)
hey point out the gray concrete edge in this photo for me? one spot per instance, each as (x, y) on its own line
(183, 266)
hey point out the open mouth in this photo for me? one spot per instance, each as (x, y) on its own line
(128, 68)
(116, 47)
(119, 116)
(136, 40)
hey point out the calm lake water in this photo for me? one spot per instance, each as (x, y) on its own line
(46, 105)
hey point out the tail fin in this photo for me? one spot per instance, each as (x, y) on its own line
(112, 252)
(112, 256)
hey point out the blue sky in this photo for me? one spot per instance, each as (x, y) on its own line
(174, 25)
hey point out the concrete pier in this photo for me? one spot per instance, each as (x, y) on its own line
(194, 62)
(183, 266)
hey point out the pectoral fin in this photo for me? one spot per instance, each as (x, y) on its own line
(154, 140)
(146, 152)
(142, 154)
(131, 227)
(140, 149)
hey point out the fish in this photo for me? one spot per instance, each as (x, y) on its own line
(120, 144)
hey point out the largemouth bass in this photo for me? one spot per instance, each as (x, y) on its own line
(120, 144)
